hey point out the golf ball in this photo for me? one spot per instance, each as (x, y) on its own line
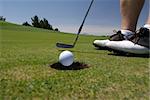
(66, 58)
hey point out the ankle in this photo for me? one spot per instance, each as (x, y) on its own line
(127, 33)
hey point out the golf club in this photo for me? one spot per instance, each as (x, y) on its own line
(62, 45)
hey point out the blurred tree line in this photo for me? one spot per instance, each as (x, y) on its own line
(2, 18)
(36, 22)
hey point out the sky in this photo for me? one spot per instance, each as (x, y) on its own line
(67, 15)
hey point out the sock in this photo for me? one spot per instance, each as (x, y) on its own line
(127, 34)
(147, 26)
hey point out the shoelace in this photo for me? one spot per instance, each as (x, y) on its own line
(126, 37)
(116, 32)
(142, 32)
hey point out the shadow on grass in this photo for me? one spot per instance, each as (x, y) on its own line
(115, 53)
(74, 66)
(87, 52)
(129, 55)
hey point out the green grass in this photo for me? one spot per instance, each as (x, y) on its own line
(25, 72)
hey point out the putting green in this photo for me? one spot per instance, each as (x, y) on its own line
(27, 54)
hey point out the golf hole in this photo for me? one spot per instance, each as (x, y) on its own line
(74, 66)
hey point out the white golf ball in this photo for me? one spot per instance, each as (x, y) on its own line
(66, 58)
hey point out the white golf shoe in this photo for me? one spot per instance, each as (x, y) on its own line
(138, 44)
(127, 46)
(101, 44)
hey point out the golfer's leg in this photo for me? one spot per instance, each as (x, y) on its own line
(148, 20)
(147, 24)
(130, 11)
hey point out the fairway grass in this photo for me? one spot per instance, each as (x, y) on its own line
(25, 71)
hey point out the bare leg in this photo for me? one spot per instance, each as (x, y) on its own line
(147, 24)
(130, 11)
(148, 20)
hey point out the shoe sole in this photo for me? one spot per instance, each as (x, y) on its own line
(118, 52)
(100, 47)
(122, 53)
(109, 49)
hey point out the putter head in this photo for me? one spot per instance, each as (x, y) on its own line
(61, 45)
